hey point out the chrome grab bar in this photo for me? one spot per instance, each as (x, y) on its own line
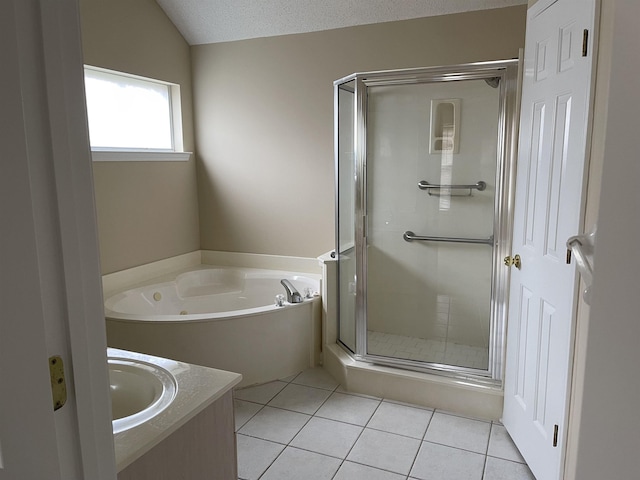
(424, 185)
(410, 236)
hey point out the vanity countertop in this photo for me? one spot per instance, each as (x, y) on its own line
(198, 387)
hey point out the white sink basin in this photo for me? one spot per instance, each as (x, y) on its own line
(139, 391)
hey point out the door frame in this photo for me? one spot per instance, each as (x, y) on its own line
(602, 70)
(587, 218)
(47, 39)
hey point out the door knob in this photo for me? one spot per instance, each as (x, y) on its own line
(515, 261)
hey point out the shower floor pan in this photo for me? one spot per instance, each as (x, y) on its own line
(432, 351)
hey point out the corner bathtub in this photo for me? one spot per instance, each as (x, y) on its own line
(223, 318)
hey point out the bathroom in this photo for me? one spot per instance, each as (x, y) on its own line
(289, 190)
(245, 189)
(208, 202)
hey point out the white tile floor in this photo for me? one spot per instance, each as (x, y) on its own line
(308, 428)
(433, 351)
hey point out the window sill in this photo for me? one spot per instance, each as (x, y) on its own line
(134, 156)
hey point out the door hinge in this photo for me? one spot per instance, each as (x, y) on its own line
(555, 435)
(568, 256)
(585, 42)
(58, 384)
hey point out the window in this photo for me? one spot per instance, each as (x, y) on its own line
(132, 118)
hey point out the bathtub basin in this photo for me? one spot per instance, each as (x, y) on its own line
(221, 317)
(139, 391)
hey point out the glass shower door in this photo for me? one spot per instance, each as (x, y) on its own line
(345, 111)
(432, 151)
(423, 162)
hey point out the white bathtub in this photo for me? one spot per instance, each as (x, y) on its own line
(220, 317)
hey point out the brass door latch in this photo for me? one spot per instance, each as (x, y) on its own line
(515, 261)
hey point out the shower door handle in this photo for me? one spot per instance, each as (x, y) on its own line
(516, 261)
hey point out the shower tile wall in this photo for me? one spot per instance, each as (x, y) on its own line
(437, 291)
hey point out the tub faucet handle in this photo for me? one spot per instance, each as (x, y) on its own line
(293, 296)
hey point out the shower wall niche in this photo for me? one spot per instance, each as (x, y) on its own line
(445, 125)
(423, 161)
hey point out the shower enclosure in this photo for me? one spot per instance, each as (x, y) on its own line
(424, 187)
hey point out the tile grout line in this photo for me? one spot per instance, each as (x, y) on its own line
(301, 428)
(325, 418)
(455, 448)
(263, 439)
(357, 438)
(377, 468)
(459, 448)
(422, 440)
(459, 415)
(486, 455)
(380, 401)
(249, 419)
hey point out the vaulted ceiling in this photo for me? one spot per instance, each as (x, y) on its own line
(213, 21)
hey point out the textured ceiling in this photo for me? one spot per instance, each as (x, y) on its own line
(212, 21)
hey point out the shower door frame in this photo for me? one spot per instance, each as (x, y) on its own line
(508, 71)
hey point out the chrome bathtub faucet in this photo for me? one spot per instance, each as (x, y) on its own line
(293, 296)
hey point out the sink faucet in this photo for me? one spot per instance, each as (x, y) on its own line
(293, 296)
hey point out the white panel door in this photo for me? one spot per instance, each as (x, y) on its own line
(28, 443)
(548, 209)
(50, 292)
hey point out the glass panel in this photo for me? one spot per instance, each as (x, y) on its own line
(125, 112)
(346, 215)
(430, 300)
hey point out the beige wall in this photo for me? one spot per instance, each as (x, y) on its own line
(264, 120)
(146, 211)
